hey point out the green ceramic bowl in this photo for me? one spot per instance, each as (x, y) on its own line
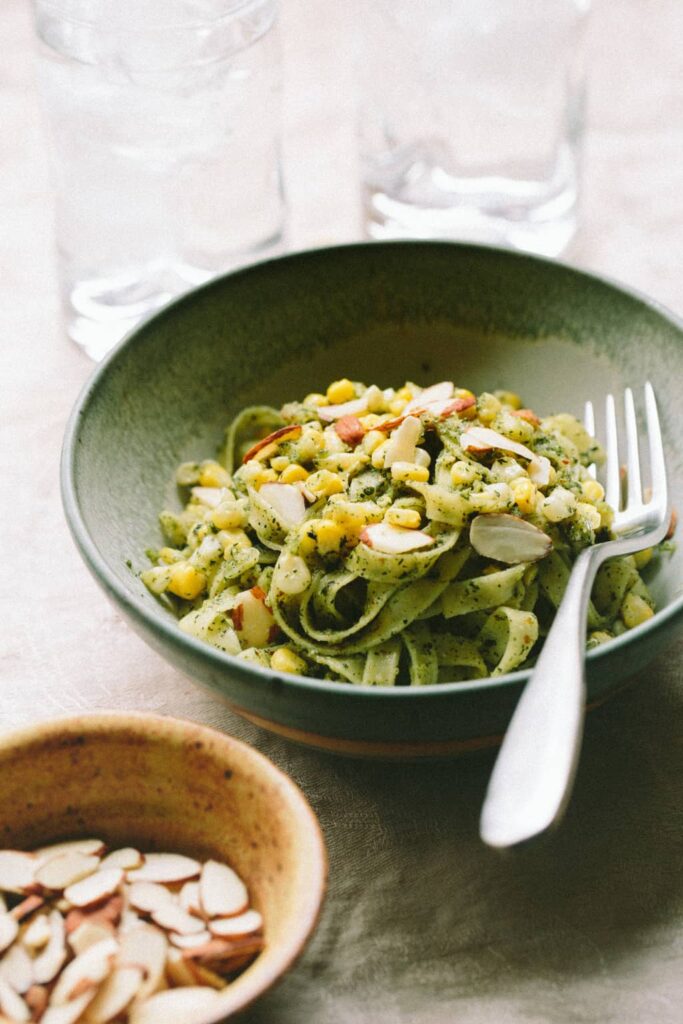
(381, 312)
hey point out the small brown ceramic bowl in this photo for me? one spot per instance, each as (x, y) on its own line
(169, 785)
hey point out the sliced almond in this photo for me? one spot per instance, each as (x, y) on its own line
(37, 933)
(233, 927)
(89, 934)
(17, 871)
(222, 891)
(129, 919)
(127, 858)
(16, 968)
(145, 947)
(12, 1004)
(287, 501)
(190, 899)
(149, 896)
(68, 1013)
(192, 941)
(440, 392)
(209, 496)
(175, 1006)
(226, 954)
(481, 439)
(403, 441)
(394, 540)
(9, 929)
(48, 963)
(26, 907)
(205, 976)
(279, 436)
(350, 430)
(58, 872)
(108, 912)
(509, 539)
(175, 919)
(36, 1000)
(88, 969)
(356, 407)
(114, 995)
(89, 847)
(178, 970)
(165, 867)
(253, 620)
(94, 888)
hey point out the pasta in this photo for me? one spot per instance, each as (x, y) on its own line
(391, 537)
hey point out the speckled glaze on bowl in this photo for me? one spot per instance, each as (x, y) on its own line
(169, 785)
(381, 312)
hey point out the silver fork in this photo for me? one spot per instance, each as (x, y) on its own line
(533, 774)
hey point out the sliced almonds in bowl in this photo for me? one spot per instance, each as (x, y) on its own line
(89, 936)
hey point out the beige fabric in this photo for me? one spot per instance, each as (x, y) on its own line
(422, 924)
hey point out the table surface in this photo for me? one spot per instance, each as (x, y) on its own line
(422, 924)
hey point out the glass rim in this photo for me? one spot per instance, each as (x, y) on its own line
(74, 14)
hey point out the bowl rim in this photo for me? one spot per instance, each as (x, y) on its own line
(266, 970)
(221, 661)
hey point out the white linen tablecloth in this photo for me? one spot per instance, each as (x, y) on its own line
(422, 924)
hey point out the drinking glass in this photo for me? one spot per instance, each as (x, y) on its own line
(471, 119)
(164, 117)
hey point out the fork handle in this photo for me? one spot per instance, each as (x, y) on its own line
(535, 767)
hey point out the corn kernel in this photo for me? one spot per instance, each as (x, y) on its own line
(372, 440)
(279, 463)
(560, 504)
(315, 398)
(606, 515)
(329, 536)
(353, 516)
(309, 444)
(524, 494)
(593, 491)
(229, 538)
(185, 581)
(409, 471)
(370, 421)
(641, 558)
(251, 471)
(292, 473)
(324, 483)
(405, 393)
(463, 393)
(378, 455)
(397, 406)
(285, 660)
(599, 636)
(409, 518)
(492, 498)
(307, 537)
(488, 407)
(635, 610)
(375, 399)
(227, 516)
(169, 556)
(589, 514)
(340, 391)
(463, 473)
(509, 398)
(211, 474)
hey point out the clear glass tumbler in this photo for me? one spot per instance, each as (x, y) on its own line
(471, 119)
(164, 117)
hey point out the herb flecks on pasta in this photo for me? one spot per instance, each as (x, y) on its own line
(390, 537)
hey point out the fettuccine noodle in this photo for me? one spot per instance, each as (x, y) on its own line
(387, 537)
